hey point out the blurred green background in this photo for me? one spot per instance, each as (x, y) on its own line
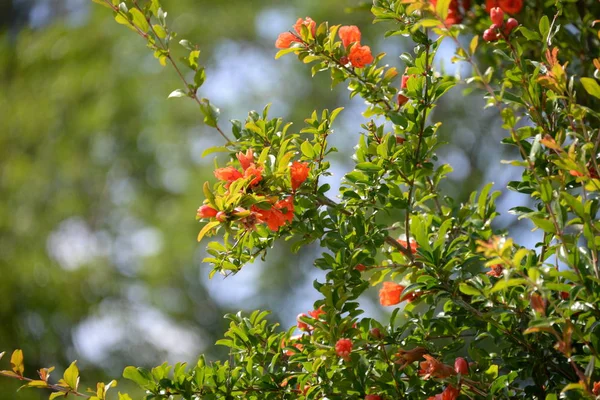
(101, 175)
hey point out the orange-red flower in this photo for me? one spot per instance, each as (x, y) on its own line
(497, 270)
(454, 16)
(390, 294)
(360, 56)
(343, 348)
(285, 40)
(372, 397)
(349, 34)
(298, 173)
(596, 389)
(254, 171)
(206, 211)
(413, 245)
(450, 393)
(511, 6)
(228, 174)
(575, 173)
(246, 159)
(317, 313)
(312, 26)
(508, 6)
(298, 346)
(277, 215)
(431, 367)
(286, 207)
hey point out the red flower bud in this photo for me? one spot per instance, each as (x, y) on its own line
(564, 295)
(221, 216)
(206, 211)
(510, 25)
(376, 333)
(461, 366)
(402, 100)
(400, 140)
(404, 81)
(372, 397)
(490, 35)
(497, 16)
(360, 268)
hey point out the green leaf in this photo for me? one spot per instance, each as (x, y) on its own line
(124, 396)
(334, 114)
(16, 362)
(591, 86)
(119, 18)
(283, 52)
(160, 31)
(199, 77)
(575, 204)
(544, 26)
(368, 166)
(138, 375)
(139, 20)
(468, 289)
(71, 376)
(573, 386)
(177, 93)
(492, 371)
(205, 229)
(307, 150)
(428, 22)
(211, 113)
(473, 45)
(56, 395)
(503, 284)
(441, 8)
(102, 3)
(529, 34)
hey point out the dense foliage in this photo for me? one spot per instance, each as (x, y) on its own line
(475, 314)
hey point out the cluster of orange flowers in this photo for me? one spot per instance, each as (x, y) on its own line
(286, 39)
(358, 56)
(231, 174)
(281, 210)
